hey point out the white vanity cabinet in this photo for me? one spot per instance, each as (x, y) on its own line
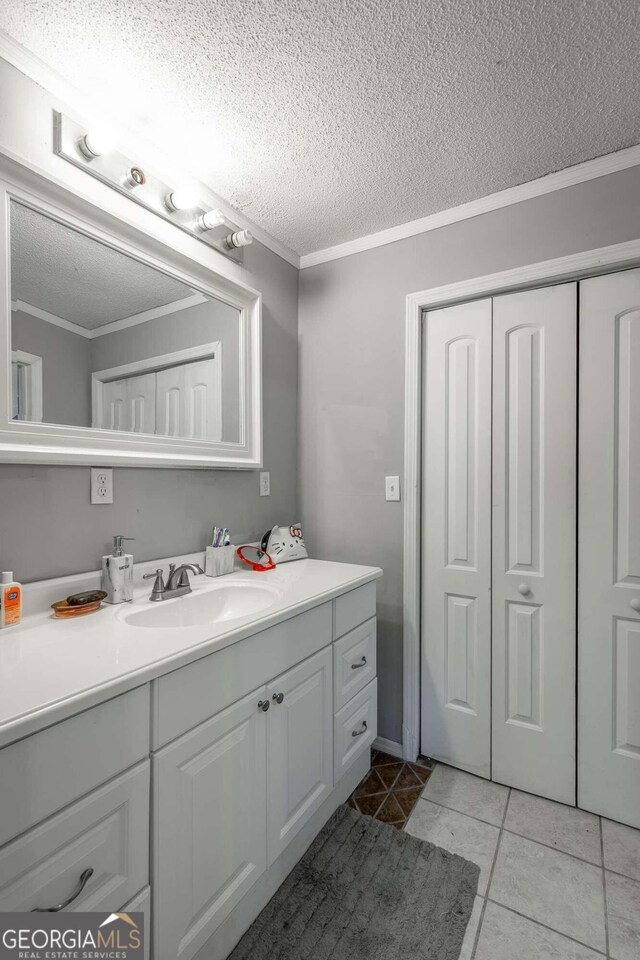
(192, 796)
(231, 794)
(299, 748)
(74, 810)
(210, 824)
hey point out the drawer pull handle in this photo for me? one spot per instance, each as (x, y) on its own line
(356, 666)
(82, 882)
(358, 733)
(263, 705)
(278, 697)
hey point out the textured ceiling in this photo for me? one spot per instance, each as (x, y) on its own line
(328, 119)
(76, 278)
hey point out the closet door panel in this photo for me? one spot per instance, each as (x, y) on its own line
(534, 519)
(457, 537)
(609, 548)
(189, 400)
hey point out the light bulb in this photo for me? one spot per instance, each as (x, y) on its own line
(95, 143)
(242, 238)
(181, 199)
(211, 219)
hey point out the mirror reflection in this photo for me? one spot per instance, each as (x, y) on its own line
(99, 339)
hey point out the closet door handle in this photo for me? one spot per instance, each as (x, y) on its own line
(362, 663)
(635, 604)
(524, 589)
(82, 882)
(358, 733)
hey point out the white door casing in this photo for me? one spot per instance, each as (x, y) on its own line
(533, 540)
(209, 825)
(456, 621)
(609, 548)
(300, 747)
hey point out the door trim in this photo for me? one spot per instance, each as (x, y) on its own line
(619, 256)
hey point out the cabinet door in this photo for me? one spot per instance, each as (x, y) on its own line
(300, 747)
(189, 400)
(609, 548)
(209, 825)
(534, 540)
(456, 627)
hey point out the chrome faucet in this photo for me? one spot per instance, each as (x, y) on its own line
(177, 582)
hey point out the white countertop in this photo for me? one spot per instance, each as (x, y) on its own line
(51, 669)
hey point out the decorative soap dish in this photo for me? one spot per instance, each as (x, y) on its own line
(78, 604)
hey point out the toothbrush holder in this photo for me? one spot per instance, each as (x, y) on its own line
(219, 560)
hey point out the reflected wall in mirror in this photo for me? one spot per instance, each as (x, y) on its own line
(100, 339)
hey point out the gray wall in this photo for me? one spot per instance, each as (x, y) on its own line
(351, 328)
(66, 367)
(48, 527)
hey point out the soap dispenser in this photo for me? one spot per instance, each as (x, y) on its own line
(117, 572)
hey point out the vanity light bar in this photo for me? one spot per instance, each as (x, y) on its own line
(94, 152)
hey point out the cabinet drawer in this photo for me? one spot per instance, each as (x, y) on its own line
(107, 831)
(355, 728)
(354, 662)
(354, 608)
(192, 694)
(45, 772)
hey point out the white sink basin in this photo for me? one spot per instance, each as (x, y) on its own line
(230, 601)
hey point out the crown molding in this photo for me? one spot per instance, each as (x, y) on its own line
(113, 326)
(21, 306)
(85, 107)
(569, 177)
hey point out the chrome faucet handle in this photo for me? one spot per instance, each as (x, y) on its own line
(158, 587)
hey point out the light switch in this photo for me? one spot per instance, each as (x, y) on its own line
(265, 483)
(392, 488)
(101, 485)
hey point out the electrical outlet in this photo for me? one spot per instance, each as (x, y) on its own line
(392, 488)
(101, 485)
(265, 483)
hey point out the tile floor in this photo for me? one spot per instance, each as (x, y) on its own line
(391, 789)
(556, 883)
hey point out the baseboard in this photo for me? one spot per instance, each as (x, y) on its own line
(391, 747)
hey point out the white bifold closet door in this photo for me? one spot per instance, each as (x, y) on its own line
(189, 401)
(609, 537)
(534, 541)
(456, 631)
(130, 404)
(498, 637)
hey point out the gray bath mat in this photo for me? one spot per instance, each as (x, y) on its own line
(366, 891)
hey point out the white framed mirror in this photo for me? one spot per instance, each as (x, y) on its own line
(116, 349)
